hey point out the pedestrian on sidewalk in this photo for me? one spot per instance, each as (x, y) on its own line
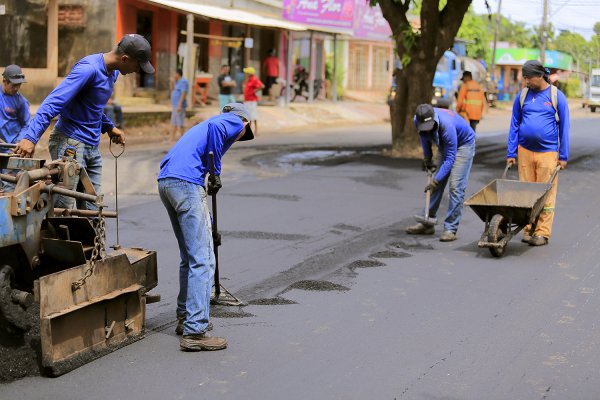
(181, 186)
(80, 100)
(179, 104)
(455, 141)
(114, 112)
(14, 112)
(471, 100)
(539, 139)
(253, 85)
(271, 71)
(226, 85)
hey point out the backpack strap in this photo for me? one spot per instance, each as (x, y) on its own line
(523, 95)
(554, 97)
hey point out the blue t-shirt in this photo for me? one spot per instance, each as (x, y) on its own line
(79, 100)
(181, 87)
(452, 132)
(14, 116)
(535, 128)
(189, 159)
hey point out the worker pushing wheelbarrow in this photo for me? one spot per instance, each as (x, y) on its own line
(507, 206)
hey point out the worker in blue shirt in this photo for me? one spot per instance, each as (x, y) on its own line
(182, 191)
(14, 113)
(79, 101)
(539, 139)
(14, 107)
(181, 88)
(455, 140)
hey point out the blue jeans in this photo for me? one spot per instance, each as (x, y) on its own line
(87, 156)
(458, 178)
(188, 211)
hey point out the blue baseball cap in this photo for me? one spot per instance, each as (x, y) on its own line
(13, 74)
(241, 111)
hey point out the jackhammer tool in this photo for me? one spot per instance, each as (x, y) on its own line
(221, 295)
(425, 220)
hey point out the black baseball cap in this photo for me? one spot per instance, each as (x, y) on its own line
(13, 74)
(425, 117)
(241, 111)
(137, 46)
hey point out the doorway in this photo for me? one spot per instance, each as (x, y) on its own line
(144, 28)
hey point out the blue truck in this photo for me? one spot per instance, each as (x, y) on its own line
(446, 81)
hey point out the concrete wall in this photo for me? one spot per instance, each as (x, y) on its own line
(23, 31)
(97, 36)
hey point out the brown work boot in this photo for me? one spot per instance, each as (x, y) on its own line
(202, 341)
(537, 240)
(420, 229)
(448, 236)
(179, 327)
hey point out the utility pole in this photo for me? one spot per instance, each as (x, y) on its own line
(544, 33)
(493, 69)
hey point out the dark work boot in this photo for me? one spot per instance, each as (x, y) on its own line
(420, 229)
(538, 240)
(202, 341)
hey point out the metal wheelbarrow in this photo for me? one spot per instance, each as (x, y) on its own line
(507, 206)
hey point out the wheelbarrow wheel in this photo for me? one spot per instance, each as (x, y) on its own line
(497, 232)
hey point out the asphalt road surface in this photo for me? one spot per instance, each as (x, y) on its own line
(343, 303)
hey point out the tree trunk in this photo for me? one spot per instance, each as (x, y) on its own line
(420, 49)
(414, 87)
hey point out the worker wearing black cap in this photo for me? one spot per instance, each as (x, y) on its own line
(456, 148)
(14, 113)
(182, 190)
(79, 100)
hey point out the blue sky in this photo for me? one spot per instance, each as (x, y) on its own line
(574, 15)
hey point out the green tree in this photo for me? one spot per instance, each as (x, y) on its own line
(573, 44)
(597, 28)
(477, 31)
(419, 50)
(514, 32)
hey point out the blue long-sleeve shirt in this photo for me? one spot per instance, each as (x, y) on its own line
(452, 132)
(189, 159)
(80, 100)
(14, 116)
(534, 127)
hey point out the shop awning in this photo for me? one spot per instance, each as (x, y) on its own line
(228, 14)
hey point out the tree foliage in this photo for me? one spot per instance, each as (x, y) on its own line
(419, 45)
(476, 30)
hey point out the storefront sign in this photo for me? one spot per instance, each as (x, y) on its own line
(327, 13)
(369, 22)
(554, 59)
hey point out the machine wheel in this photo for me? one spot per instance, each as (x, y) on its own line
(496, 233)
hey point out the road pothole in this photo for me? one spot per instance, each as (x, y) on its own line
(274, 301)
(411, 245)
(321, 286)
(365, 264)
(390, 254)
(216, 312)
(263, 235)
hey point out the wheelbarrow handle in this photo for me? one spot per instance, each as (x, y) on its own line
(506, 171)
(553, 177)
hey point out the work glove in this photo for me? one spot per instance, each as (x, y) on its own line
(428, 165)
(214, 184)
(216, 239)
(432, 186)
